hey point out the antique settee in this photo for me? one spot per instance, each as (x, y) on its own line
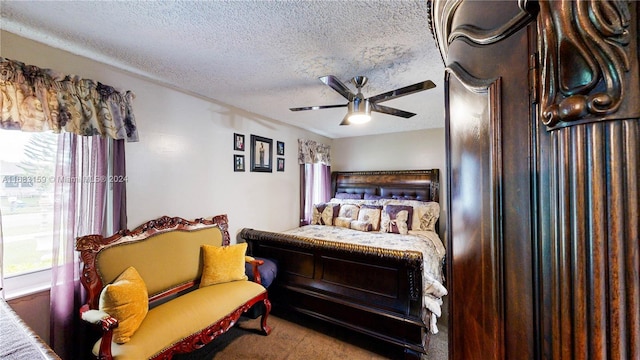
(169, 286)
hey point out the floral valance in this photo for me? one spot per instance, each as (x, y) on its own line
(311, 152)
(35, 99)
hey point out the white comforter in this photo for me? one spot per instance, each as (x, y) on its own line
(426, 242)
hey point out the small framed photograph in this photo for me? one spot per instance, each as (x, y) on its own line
(261, 154)
(280, 164)
(280, 148)
(238, 142)
(238, 162)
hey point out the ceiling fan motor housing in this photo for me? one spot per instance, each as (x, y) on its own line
(359, 105)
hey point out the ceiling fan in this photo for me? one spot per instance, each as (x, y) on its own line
(359, 108)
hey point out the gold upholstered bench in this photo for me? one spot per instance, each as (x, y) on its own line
(169, 286)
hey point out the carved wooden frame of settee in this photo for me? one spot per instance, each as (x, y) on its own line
(90, 245)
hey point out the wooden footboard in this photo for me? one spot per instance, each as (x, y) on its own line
(374, 291)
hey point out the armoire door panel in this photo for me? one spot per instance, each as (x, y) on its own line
(488, 116)
(476, 246)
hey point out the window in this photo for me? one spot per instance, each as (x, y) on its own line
(27, 173)
(317, 187)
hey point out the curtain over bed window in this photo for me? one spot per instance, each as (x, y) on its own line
(315, 176)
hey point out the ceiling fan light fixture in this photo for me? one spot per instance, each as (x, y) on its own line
(359, 118)
(359, 111)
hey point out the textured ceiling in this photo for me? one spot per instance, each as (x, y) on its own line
(260, 56)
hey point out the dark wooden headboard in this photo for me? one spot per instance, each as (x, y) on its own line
(421, 185)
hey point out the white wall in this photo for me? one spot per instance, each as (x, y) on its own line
(424, 149)
(183, 163)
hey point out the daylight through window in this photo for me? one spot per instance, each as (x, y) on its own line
(27, 179)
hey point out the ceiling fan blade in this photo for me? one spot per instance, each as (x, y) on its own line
(407, 90)
(391, 111)
(345, 121)
(318, 107)
(337, 85)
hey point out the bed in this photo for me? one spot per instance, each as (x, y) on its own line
(386, 285)
(18, 341)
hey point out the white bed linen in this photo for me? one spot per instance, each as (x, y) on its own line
(426, 242)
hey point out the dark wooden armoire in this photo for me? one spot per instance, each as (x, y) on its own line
(543, 154)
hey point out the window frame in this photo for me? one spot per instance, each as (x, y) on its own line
(27, 283)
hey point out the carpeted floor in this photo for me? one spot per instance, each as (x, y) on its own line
(296, 336)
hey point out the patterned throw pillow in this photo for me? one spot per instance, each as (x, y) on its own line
(361, 225)
(426, 216)
(344, 222)
(396, 219)
(316, 217)
(329, 213)
(349, 211)
(370, 214)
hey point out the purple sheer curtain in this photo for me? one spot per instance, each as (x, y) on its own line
(119, 192)
(317, 188)
(81, 198)
(315, 176)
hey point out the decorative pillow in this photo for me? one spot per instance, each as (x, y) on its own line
(396, 219)
(349, 211)
(372, 197)
(316, 217)
(404, 197)
(361, 225)
(329, 213)
(344, 195)
(343, 222)
(370, 214)
(223, 264)
(425, 216)
(127, 300)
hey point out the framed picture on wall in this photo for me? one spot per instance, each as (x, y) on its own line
(280, 147)
(261, 154)
(238, 142)
(280, 164)
(238, 162)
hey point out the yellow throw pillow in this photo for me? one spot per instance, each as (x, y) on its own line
(127, 300)
(223, 264)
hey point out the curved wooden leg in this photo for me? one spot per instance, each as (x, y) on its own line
(267, 308)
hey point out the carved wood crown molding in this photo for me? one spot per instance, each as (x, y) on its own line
(588, 54)
(586, 58)
(441, 23)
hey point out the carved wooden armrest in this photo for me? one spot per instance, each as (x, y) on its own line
(106, 322)
(255, 263)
